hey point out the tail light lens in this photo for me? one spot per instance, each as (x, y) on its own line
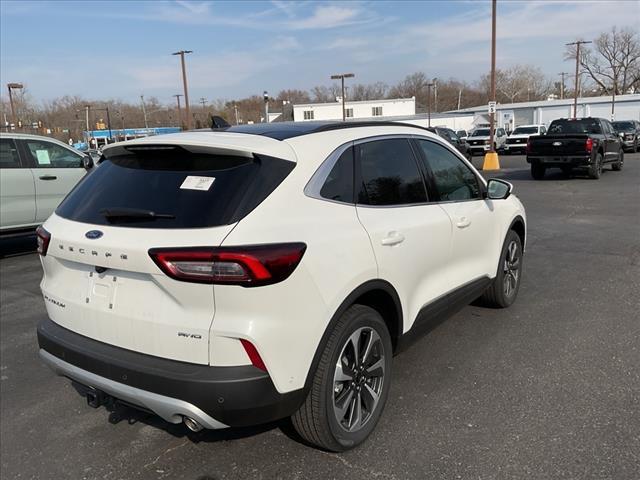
(43, 237)
(249, 266)
(588, 145)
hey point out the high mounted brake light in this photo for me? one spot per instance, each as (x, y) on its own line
(43, 237)
(248, 266)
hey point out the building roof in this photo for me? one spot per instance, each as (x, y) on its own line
(358, 102)
(552, 103)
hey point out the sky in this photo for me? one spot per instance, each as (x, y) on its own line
(122, 49)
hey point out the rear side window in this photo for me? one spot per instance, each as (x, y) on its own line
(389, 173)
(8, 154)
(339, 183)
(181, 189)
(50, 155)
(453, 180)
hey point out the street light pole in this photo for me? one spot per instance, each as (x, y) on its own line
(575, 93)
(144, 112)
(429, 85)
(341, 77)
(12, 86)
(184, 82)
(491, 161)
(562, 74)
(178, 95)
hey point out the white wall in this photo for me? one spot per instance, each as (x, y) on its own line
(462, 122)
(333, 111)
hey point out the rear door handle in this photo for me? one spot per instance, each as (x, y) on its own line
(48, 177)
(463, 222)
(393, 238)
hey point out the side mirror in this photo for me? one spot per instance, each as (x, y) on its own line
(87, 162)
(498, 189)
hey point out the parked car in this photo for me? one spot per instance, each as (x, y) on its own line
(479, 140)
(36, 173)
(451, 137)
(230, 278)
(584, 143)
(462, 134)
(629, 131)
(517, 140)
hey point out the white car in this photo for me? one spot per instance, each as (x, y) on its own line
(479, 140)
(231, 278)
(36, 173)
(517, 140)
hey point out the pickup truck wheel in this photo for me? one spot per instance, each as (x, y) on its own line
(504, 289)
(351, 384)
(617, 166)
(595, 170)
(537, 171)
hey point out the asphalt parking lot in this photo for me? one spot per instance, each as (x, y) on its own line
(549, 388)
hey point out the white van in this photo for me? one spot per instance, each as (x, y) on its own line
(36, 173)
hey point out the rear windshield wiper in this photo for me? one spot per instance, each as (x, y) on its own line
(133, 214)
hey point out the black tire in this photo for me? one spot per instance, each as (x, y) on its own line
(595, 169)
(317, 420)
(497, 295)
(617, 166)
(537, 171)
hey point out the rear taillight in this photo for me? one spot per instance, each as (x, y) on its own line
(43, 238)
(588, 145)
(249, 266)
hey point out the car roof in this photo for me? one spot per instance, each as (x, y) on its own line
(21, 135)
(286, 130)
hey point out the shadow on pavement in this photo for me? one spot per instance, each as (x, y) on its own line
(20, 245)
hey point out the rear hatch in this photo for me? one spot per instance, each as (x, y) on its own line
(100, 280)
(558, 145)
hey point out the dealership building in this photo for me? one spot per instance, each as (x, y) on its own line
(376, 109)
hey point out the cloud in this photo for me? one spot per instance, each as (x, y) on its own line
(327, 16)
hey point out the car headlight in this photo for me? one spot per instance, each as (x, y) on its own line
(487, 142)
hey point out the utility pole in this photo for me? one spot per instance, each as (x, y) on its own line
(491, 161)
(178, 95)
(265, 95)
(235, 109)
(86, 112)
(144, 112)
(613, 93)
(341, 77)
(184, 82)
(562, 74)
(459, 98)
(429, 85)
(435, 93)
(13, 86)
(575, 93)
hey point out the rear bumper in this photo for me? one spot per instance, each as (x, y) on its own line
(549, 161)
(217, 397)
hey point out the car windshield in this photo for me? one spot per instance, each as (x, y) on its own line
(525, 130)
(623, 126)
(461, 133)
(586, 125)
(483, 132)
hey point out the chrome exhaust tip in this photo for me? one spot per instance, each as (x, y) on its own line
(192, 425)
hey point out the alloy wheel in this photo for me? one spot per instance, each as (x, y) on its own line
(358, 379)
(511, 269)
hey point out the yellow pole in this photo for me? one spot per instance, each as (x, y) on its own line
(491, 161)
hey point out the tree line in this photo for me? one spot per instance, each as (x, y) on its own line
(611, 63)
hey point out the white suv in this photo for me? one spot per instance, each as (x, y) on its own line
(237, 277)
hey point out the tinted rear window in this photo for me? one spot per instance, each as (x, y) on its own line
(586, 125)
(166, 182)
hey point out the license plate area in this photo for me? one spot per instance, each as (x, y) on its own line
(101, 290)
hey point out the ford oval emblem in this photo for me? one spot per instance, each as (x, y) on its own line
(93, 234)
(557, 144)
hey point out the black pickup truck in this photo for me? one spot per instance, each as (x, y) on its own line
(583, 143)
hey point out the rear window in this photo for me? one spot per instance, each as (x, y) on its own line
(623, 126)
(586, 125)
(525, 131)
(483, 132)
(173, 188)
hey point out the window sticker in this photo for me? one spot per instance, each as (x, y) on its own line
(43, 157)
(197, 183)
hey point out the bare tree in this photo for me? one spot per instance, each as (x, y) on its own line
(520, 83)
(613, 62)
(322, 93)
(293, 96)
